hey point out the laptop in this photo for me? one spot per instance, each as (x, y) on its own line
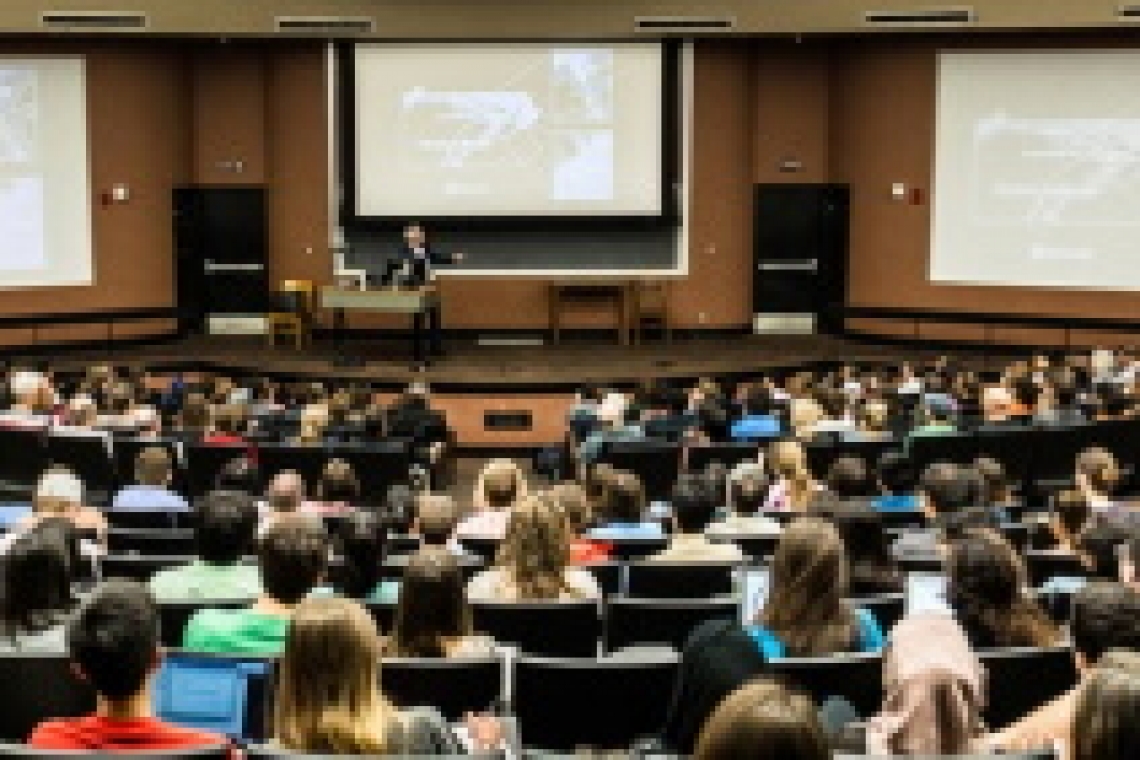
(221, 694)
(926, 592)
(755, 584)
(11, 513)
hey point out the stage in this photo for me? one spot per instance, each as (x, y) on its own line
(470, 366)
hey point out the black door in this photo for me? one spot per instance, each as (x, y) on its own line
(801, 251)
(222, 247)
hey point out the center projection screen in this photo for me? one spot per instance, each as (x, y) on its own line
(1037, 166)
(519, 130)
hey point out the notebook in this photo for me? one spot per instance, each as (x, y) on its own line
(926, 592)
(755, 584)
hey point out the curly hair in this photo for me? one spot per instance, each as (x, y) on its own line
(536, 549)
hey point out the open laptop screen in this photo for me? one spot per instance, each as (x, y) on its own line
(224, 695)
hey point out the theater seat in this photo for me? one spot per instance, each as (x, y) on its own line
(34, 688)
(452, 686)
(667, 622)
(551, 629)
(679, 580)
(1021, 680)
(857, 678)
(566, 704)
(138, 567)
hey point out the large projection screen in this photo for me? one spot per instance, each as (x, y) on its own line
(45, 197)
(1037, 166)
(519, 130)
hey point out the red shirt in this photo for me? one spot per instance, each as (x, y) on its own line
(98, 733)
(584, 551)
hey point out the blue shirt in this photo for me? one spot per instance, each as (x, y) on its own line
(871, 638)
(896, 502)
(154, 498)
(618, 531)
(759, 426)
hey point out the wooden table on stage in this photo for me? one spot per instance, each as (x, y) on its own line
(420, 303)
(619, 293)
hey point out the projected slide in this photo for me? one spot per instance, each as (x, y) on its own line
(521, 130)
(43, 171)
(1035, 188)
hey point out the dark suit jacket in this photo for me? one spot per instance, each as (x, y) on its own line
(422, 266)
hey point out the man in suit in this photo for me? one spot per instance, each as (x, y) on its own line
(414, 265)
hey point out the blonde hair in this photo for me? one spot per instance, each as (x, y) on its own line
(804, 414)
(328, 698)
(536, 549)
(501, 485)
(789, 463)
(1099, 468)
(314, 420)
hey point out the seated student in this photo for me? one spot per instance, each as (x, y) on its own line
(327, 699)
(934, 691)
(227, 428)
(764, 721)
(621, 510)
(747, 489)
(895, 477)
(240, 474)
(794, 489)
(59, 493)
(1106, 725)
(433, 618)
(997, 489)
(694, 507)
(758, 421)
(571, 500)
(618, 421)
(338, 490)
(533, 562)
(1070, 516)
(807, 613)
(872, 569)
(293, 557)
(285, 495)
(1097, 477)
(500, 486)
(36, 597)
(224, 526)
(936, 419)
(846, 482)
(986, 585)
(114, 646)
(1104, 617)
(363, 536)
(153, 474)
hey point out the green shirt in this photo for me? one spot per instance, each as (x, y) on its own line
(244, 631)
(202, 580)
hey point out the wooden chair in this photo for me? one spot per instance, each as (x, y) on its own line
(291, 310)
(651, 307)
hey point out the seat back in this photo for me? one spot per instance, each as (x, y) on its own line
(1021, 680)
(171, 542)
(378, 466)
(668, 622)
(481, 546)
(609, 704)
(729, 454)
(887, 608)
(609, 575)
(1047, 563)
(656, 464)
(455, 687)
(147, 519)
(89, 458)
(137, 567)
(857, 678)
(34, 688)
(679, 580)
(174, 615)
(23, 456)
(629, 548)
(551, 629)
(203, 463)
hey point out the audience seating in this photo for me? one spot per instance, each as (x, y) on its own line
(138, 567)
(173, 616)
(679, 580)
(452, 686)
(1045, 564)
(666, 622)
(565, 704)
(857, 678)
(657, 464)
(149, 519)
(729, 454)
(630, 548)
(24, 460)
(383, 613)
(88, 457)
(551, 629)
(757, 546)
(203, 463)
(164, 541)
(1021, 680)
(821, 453)
(36, 687)
(609, 575)
(485, 548)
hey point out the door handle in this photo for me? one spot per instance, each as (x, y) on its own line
(788, 265)
(213, 267)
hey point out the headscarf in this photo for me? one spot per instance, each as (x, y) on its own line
(935, 690)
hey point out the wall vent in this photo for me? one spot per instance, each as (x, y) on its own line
(684, 24)
(1128, 12)
(326, 26)
(94, 21)
(922, 17)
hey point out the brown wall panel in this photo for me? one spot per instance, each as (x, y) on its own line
(229, 115)
(793, 92)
